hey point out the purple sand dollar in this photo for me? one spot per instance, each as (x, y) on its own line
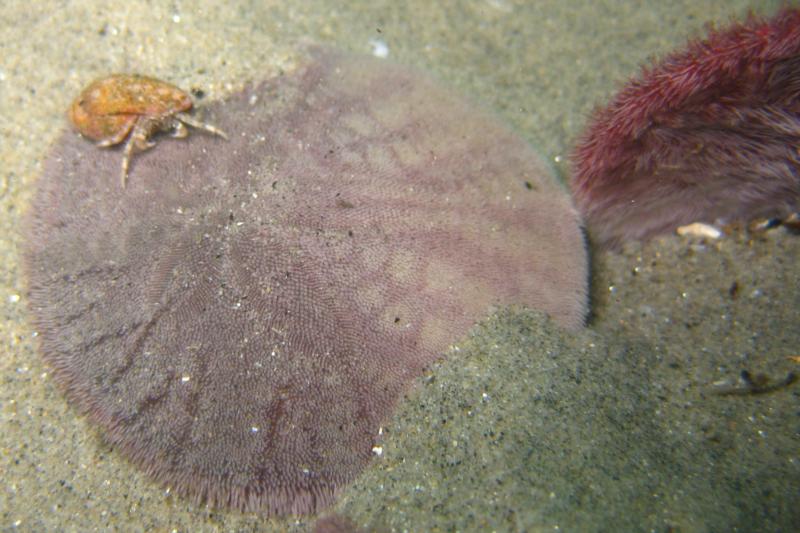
(242, 317)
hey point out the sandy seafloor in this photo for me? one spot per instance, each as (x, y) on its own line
(523, 427)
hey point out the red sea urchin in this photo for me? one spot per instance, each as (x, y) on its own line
(244, 315)
(709, 134)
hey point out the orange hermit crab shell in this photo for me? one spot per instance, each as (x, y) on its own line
(108, 107)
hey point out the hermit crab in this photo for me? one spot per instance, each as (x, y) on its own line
(133, 107)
